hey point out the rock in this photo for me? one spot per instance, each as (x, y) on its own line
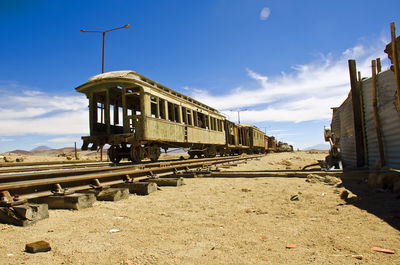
(295, 198)
(39, 246)
(360, 257)
(19, 159)
(344, 195)
(7, 159)
(313, 178)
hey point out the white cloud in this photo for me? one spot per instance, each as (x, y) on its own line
(36, 112)
(306, 94)
(65, 140)
(265, 12)
(6, 140)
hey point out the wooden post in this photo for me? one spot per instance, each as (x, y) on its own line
(376, 116)
(158, 107)
(378, 65)
(357, 111)
(125, 120)
(359, 83)
(92, 113)
(107, 112)
(395, 61)
(76, 154)
(116, 113)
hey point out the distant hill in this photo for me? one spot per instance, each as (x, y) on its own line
(321, 146)
(41, 148)
(20, 152)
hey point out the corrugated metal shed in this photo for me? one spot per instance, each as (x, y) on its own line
(342, 124)
(372, 141)
(389, 118)
(343, 127)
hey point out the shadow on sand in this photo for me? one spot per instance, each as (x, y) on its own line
(381, 203)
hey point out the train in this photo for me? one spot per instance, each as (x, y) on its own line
(138, 117)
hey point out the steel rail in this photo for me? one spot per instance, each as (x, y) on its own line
(28, 189)
(51, 167)
(22, 164)
(54, 174)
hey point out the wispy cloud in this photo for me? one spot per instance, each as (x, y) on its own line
(305, 94)
(68, 140)
(6, 140)
(265, 13)
(26, 111)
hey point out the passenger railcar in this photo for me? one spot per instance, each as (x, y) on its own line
(137, 116)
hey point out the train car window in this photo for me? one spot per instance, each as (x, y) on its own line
(153, 107)
(171, 111)
(189, 116)
(200, 120)
(120, 116)
(195, 118)
(100, 116)
(177, 113)
(184, 115)
(162, 108)
(207, 122)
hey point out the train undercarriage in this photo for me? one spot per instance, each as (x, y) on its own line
(138, 151)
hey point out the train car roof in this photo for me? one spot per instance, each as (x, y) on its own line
(129, 76)
(248, 125)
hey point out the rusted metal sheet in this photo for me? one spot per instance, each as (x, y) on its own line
(343, 127)
(389, 117)
(389, 120)
(372, 140)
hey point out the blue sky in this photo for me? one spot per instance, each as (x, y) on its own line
(283, 64)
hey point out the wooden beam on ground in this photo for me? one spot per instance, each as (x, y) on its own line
(167, 182)
(252, 174)
(357, 111)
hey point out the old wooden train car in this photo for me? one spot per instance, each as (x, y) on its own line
(138, 116)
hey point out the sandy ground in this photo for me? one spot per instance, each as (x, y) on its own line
(223, 221)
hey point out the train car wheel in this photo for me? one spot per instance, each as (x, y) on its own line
(154, 153)
(114, 153)
(211, 152)
(136, 154)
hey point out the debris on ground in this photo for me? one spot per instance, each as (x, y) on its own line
(295, 198)
(383, 250)
(344, 195)
(360, 257)
(314, 178)
(262, 238)
(285, 163)
(39, 246)
(291, 246)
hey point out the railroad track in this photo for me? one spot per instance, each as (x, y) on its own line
(29, 167)
(19, 188)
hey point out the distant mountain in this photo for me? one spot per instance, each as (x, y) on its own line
(321, 146)
(20, 152)
(41, 148)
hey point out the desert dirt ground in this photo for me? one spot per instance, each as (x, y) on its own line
(224, 221)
